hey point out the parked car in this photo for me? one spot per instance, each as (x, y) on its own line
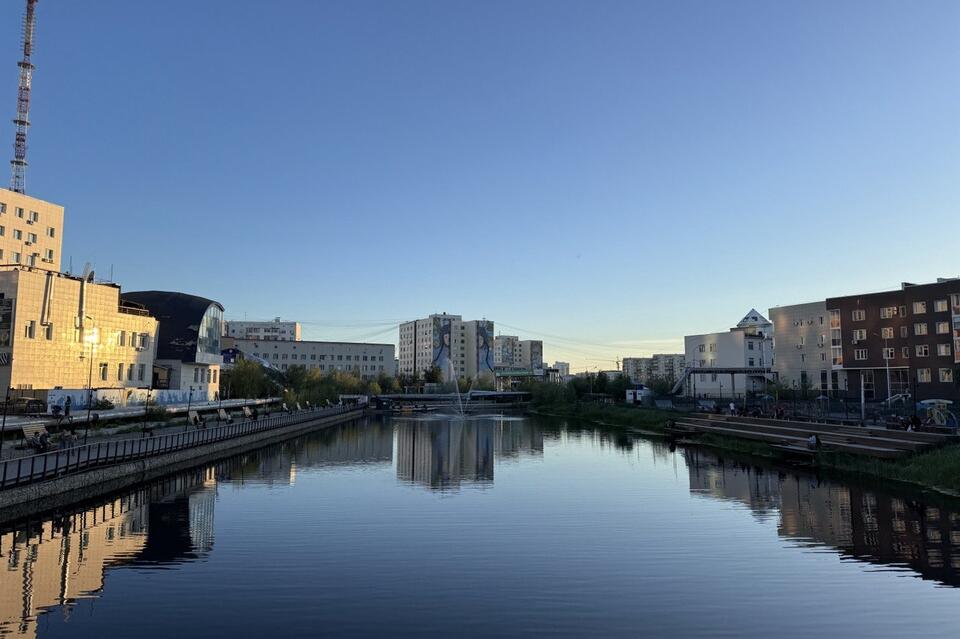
(26, 406)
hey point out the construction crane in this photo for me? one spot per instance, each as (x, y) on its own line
(22, 121)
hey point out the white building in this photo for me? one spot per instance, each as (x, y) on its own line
(366, 360)
(747, 345)
(460, 349)
(279, 330)
(801, 347)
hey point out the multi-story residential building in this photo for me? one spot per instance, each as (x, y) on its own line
(507, 351)
(747, 345)
(458, 348)
(900, 341)
(30, 231)
(366, 360)
(284, 331)
(643, 370)
(188, 356)
(563, 369)
(59, 331)
(802, 354)
(531, 354)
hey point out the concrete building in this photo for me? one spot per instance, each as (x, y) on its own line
(531, 354)
(279, 330)
(59, 331)
(747, 345)
(366, 360)
(506, 351)
(899, 341)
(563, 368)
(643, 370)
(458, 348)
(31, 231)
(802, 357)
(188, 355)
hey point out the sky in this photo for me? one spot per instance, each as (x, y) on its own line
(607, 176)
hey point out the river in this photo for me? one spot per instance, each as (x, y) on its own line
(495, 526)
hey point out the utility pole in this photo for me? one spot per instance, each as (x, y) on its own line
(22, 121)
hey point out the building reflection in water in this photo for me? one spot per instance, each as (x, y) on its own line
(863, 524)
(446, 454)
(58, 561)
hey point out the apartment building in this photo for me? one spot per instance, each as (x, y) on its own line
(749, 344)
(802, 351)
(279, 330)
(512, 352)
(30, 231)
(458, 348)
(642, 370)
(899, 341)
(59, 331)
(366, 360)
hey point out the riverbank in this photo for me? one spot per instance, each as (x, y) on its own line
(937, 469)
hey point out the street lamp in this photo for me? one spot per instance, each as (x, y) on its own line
(91, 339)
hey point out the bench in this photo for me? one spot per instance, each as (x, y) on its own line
(247, 412)
(194, 419)
(38, 430)
(298, 406)
(224, 416)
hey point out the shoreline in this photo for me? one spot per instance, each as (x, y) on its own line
(937, 470)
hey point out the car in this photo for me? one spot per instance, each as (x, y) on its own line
(26, 406)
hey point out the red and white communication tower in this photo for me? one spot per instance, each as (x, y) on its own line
(22, 121)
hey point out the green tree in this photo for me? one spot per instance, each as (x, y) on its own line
(246, 379)
(433, 376)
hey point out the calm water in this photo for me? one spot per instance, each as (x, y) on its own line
(489, 527)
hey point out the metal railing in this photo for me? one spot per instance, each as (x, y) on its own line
(57, 463)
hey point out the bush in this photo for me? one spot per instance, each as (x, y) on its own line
(102, 404)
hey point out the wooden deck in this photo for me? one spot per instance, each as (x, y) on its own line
(788, 436)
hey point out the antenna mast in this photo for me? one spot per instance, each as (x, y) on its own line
(22, 121)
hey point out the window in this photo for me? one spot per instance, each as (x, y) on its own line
(20, 212)
(859, 334)
(859, 315)
(923, 375)
(905, 351)
(3, 207)
(889, 353)
(3, 231)
(120, 372)
(702, 348)
(51, 232)
(32, 237)
(943, 328)
(34, 216)
(903, 311)
(48, 254)
(141, 369)
(923, 350)
(943, 350)
(750, 361)
(196, 375)
(940, 306)
(919, 308)
(31, 329)
(122, 340)
(920, 329)
(904, 331)
(860, 354)
(834, 319)
(946, 375)
(130, 373)
(215, 376)
(886, 332)
(48, 331)
(888, 312)
(208, 376)
(103, 371)
(17, 234)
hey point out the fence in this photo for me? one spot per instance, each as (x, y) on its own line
(57, 463)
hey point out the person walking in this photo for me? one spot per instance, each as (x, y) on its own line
(66, 408)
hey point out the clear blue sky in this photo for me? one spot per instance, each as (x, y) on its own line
(613, 173)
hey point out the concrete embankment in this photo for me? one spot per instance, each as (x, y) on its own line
(31, 499)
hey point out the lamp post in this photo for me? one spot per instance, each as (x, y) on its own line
(91, 339)
(3, 425)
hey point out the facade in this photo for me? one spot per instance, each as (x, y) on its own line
(643, 370)
(263, 331)
(188, 355)
(747, 345)
(802, 354)
(59, 331)
(460, 349)
(366, 360)
(31, 231)
(507, 351)
(531, 354)
(905, 340)
(563, 369)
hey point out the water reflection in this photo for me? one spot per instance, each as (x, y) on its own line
(863, 524)
(447, 454)
(57, 561)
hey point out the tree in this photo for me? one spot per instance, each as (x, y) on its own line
(661, 386)
(600, 383)
(433, 376)
(248, 380)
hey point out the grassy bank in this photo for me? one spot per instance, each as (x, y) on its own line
(937, 469)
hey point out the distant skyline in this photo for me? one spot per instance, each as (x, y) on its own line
(607, 176)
